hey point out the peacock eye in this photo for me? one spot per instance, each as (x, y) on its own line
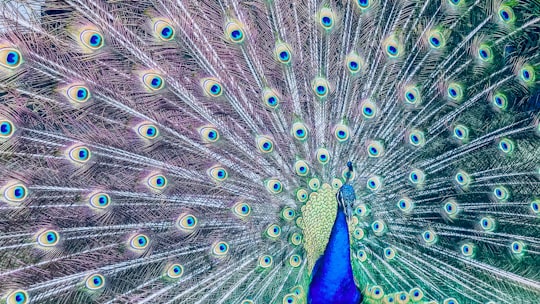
(78, 93)
(296, 239)
(175, 271)
(369, 109)
(274, 186)
(17, 297)
(506, 145)
(374, 183)
(364, 4)
(326, 18)
(234, 31)
(455, 92)
(157, 182)
(153, 82)
(302, 195)
(314, 184)
(299, 131)
(164, 30)
(392, 47)
(273, 231)
(320, 87)
(211, 87)
(416, 138)
(405, 204)
(209, 134)
(377, 291)
(341, 132)
(265, 261)
(139, 242)
(95, 282)
(15, 193)
(91, 39)
(6, 129)
(48, 238)
(282, 53)
(323, 156)
(265, 144)
(412, 95)
(375, 149)
(378, 227)
(295, 260)
(506, 14)
(100, 200)
(487, 223)
(10, 58)
(429, 236)
(187, 222)
(436, 39)
(148, 131)
(354, 63)
(416, 294)
(242, 210)
(218, 173)
(220, 249)
(79, 154)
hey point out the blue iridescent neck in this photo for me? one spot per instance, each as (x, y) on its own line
(332, 278)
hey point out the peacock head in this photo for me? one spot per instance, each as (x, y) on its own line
(346, 195)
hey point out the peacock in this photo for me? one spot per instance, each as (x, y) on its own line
(270, 151)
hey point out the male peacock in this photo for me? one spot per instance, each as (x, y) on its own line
(197, 151)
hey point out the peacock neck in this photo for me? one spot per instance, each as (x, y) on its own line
(332, 279)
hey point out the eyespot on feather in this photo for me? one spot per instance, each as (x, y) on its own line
(17, 297)
(274, 186)
(78, 93)
(234, 31)
(147, 130)
(209, 134)
(48, 238)
(283, 53)
(187, 222)
(79, 154)
(95, 282)
(164, 30)
(10, 58)
(211, 87)
(157, 182)
(99, 200)
(91, 39)
(220, 249)
(139, 241)
(175, 271)
(14, 192)
(153, 81)
(242, 210)
(218, 173)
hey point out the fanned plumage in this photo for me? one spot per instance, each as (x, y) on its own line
(196, 151)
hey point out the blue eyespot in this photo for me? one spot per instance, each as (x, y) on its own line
(10, 58)
(234, 31)
(48, 238)
(17, 297)
(211, 87)
(6, 128)
(139, 241)
(91, 39)
(153, 81)
(95, 40)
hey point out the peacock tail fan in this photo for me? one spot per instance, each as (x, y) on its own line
(197, 151)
